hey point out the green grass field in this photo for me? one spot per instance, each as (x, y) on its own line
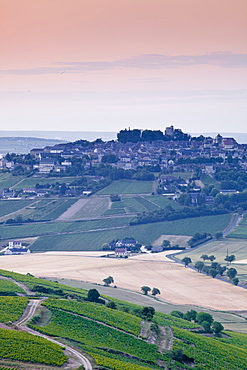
(32, 181)
(44, 228)
(183, 175)
(7, 180)
(9, 206)
(208, 180)
(241, 231)
(114, 211)
(93, 240)
(128, 187)
(162, 201)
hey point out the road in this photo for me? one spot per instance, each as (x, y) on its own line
(29, 313)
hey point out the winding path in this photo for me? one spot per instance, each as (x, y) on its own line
(29, 313)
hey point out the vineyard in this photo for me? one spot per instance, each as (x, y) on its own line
(23, 346)
(115, 318)
(116, 339)
(32, 281)
(11, 308)
(9, 288)
(90, 333)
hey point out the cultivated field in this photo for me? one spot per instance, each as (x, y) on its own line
(7, 180)
(208, 180)
(94, 207)
(11, 206)
(128, 187)
(32, 181)
(220, 249)
(118, 228)
(241, 230)
(154, 270)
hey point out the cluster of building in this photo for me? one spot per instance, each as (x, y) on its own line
(133, 155)
(15, 248)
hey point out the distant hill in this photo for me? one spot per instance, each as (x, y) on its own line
(62, 135)
(22, 145)
(21, 142)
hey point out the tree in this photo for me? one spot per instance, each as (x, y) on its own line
(166, 243)
(211, 258)
(230, 258)
(147, 313)
(108, 280)
(217, 327)
(199, 266)
(93, 295)
(145, 289)
(235, 281)
(155, 291)
(177, 313)
(213, 272)
(221, 269)
(204, 257)
(186, 261)
(190, 315)
(204, 316)
(231, 273)
(206, 326)
(218, 235)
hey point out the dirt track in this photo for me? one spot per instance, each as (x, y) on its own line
(177, 284)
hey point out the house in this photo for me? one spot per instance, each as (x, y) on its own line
(121, 252)
(46, 165)
(15, 247)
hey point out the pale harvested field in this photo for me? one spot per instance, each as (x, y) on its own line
(72, 209)
(177, 284)
(181, 240)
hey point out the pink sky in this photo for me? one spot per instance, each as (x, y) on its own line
(105, 65)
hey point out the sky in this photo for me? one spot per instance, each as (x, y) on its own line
(106, 65)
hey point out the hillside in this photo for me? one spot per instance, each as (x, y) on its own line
(111, 334)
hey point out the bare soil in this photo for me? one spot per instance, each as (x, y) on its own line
(177, 284)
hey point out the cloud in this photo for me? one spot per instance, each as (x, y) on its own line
(143, 61)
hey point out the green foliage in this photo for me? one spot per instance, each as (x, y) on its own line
(186, 261)
(231, 273)
(93, 295)
(147, 313)
(206, 326)
(217, 327)
(155, 291)
(204, 316)
(109, 280)
(145, 289)
(199, 266)
(235, 281)
(177, 313)
(11, 308)
(23, 346)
